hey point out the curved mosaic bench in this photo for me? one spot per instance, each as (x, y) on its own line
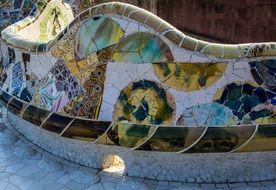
(120, 76)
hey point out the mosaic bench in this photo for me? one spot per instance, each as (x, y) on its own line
(119, 80)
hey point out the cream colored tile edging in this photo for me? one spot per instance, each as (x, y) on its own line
(11, 38)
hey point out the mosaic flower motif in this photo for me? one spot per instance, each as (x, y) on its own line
(142, 47)
(189, 76)
(49, 93)
(209, 114)
(65, 81)
(264, 73)
(96, 34)
(242, 98)
(17, 78)
(145, 102)
(88, 104)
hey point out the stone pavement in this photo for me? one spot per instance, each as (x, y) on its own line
(25, 166)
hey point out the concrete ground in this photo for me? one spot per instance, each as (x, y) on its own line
(25, 166)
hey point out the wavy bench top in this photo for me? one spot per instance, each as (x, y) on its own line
(11, 37)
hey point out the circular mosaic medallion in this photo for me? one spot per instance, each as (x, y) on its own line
(247, 101)
(145, 102)
(209, 114)
(96, 34)
(142, 47)
(189, 76)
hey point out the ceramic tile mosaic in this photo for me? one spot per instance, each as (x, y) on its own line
(118, 75)
(54, 21)
(17, 78)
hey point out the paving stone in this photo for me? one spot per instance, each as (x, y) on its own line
(208, 186)
(191, 185)
(237, 184)
(24, 151)
(271, 187)
(36, 186)
(267, 183)
(14, 168)
(192, 180)
(28, 170)
(11, 186)
(222, 185)
(39, 175)
(50, 165)
(26, 184)
(3, 184)
(245, 188)
(52, 186)
(72, 184)
(149, 181)
(64, 179)
(131, 185)
(162, 187)
(16, 179)
(85, 177)
(109, 185)
(105, 178)
(55, 175)
(2, 168)
(97, 186)
(186, 188)
(7, 138)
(45, 181)
(163, 183)
(175, 183)
(4, 176)
(255, 184)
